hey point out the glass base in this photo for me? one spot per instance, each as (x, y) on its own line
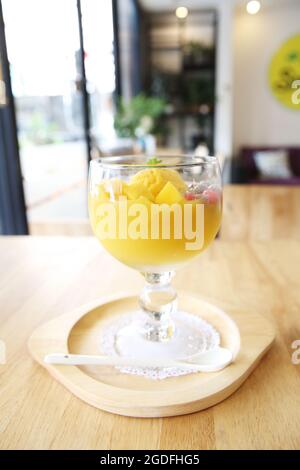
(191, 335)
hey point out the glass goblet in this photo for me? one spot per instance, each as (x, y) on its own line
(155, 216)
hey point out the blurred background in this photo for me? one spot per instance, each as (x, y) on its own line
(86, 78)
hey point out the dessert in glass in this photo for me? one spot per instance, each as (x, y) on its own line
(155, 215)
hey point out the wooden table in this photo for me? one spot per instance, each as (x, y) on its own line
(260, 212)
(41, 278)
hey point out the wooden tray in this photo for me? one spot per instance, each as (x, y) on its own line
(108, 389)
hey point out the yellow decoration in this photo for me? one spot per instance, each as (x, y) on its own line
(154, 179)
(284, 70)
(168, 195)
(103, 194)
(134, 190)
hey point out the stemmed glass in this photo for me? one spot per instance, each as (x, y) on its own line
(155, 215)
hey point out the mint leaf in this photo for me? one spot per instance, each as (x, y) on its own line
(153, 161)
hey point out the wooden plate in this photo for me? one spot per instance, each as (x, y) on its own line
(108, 389)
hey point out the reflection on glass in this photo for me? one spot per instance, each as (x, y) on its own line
(44, 54)
(99, 65)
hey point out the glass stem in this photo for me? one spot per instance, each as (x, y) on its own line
(158, 300)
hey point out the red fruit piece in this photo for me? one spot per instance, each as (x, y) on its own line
(211, 196)
(191, 196)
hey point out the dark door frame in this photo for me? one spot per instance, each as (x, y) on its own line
(126, 24)
(115, 15)
(13, 220)
(83, 88)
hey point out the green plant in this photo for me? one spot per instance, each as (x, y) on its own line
(40, 131)
(138, 116)
(197, 52)
(198, 90)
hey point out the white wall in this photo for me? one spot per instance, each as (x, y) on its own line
(258, 118)
(223, 130)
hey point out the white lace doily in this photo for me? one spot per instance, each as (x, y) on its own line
(191, 331)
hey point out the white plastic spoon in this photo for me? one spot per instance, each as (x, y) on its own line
(209, 361)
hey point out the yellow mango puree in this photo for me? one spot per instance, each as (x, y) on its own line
(149, 224)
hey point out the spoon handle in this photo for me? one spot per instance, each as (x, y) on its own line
(83, 359)
(204, 361)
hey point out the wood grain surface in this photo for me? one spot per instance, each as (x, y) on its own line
(246, 334)
(260, 212)
(43, 277)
